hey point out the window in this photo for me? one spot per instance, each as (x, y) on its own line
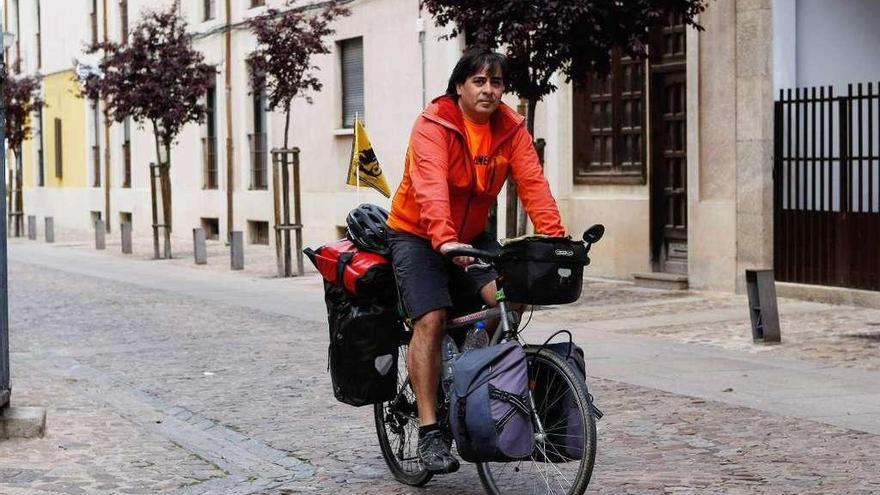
(41, 165)
(123, 20)
(211, 226)
(258, 232)
(96, 216)
(126, 152)
(208, 9)
(609, 125)
(125, 217)
(209, 142)
(257, 3)
(58, 155)
(352, 56)
(257, 140)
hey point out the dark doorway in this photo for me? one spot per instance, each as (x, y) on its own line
(669, 247)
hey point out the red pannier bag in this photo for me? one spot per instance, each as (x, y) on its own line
(361, 273)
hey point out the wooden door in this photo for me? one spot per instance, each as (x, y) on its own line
(669, 153)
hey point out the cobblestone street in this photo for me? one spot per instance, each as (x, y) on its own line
(176, 389)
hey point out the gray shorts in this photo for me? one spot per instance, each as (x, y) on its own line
(428, 281)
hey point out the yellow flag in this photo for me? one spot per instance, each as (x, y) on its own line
(364, 168)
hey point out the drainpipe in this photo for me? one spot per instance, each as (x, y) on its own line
(420, 27)
(4, 289)
(229, 149)
(106, 144)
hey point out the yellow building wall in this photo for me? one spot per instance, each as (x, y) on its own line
(60, 91)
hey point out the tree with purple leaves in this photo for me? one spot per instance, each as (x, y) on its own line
(156, 78)
(281, 66)
(573, 38)
(21, 97)
(286, 41)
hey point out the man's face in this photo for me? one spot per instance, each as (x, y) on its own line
(480, 94)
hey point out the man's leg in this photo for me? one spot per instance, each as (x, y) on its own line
(424, 374)
(424, 363)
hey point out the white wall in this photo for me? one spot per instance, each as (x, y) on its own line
(822, 42)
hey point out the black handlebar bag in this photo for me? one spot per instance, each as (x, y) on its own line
(543, 270)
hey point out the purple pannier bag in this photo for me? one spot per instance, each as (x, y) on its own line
(490, 413)
(567, 431)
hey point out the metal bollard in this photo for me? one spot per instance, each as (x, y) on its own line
(761, 287)
(50, 229)
(236, 246)
(200, 252)
(99, 235)
(125, 230)
(32, 227)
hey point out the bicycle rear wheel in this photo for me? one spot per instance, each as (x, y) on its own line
(552, 468)
(397, 426)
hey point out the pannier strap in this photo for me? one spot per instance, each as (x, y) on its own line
(519, 402)
(344, 260)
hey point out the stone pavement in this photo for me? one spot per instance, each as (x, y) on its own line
(166, 377)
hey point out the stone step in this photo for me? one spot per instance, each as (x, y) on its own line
(22, 422)
(659, 280)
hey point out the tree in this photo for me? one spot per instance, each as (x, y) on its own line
(281, 64)
(21, 96)
(158, 77)
(544, 37)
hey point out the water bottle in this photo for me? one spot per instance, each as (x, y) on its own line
(476, 337)
(449, 351)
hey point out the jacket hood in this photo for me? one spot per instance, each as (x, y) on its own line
(445, 111)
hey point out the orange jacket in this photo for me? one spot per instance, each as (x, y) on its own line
(439, 198)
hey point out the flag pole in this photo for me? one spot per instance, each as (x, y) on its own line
(357, 170)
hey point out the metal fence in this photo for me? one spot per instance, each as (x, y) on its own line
(827, 186)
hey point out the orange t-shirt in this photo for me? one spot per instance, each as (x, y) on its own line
(479, 140)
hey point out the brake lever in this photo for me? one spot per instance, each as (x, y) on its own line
(481, 265)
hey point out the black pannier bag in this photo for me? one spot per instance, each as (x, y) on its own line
(363, 320)
(364, 340)
(543, 270)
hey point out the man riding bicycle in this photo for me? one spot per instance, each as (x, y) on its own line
(461, 150)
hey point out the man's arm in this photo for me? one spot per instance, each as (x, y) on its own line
(533, 188)
(429, 167)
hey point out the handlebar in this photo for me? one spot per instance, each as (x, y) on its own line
(473, 253)
(591, 236)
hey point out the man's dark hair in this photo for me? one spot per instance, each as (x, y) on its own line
(471, 62)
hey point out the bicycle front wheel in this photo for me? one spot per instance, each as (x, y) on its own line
(565, 434)
(397, 426)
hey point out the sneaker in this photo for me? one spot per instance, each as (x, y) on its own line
(435, 455)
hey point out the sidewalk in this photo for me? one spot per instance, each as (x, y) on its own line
(687, 343)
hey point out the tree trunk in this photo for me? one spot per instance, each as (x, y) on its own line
(19, 199)
(285, 194)
(166, 198)
(154, 204)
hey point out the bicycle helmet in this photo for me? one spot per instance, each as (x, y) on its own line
(366, 228)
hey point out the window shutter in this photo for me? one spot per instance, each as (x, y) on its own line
(352, 80)
(58, 155)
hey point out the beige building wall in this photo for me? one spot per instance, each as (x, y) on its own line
(729, 135)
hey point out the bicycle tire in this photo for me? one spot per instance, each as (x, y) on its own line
(509, 477)
(397, 427)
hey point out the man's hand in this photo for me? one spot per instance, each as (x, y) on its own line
(458, 260)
